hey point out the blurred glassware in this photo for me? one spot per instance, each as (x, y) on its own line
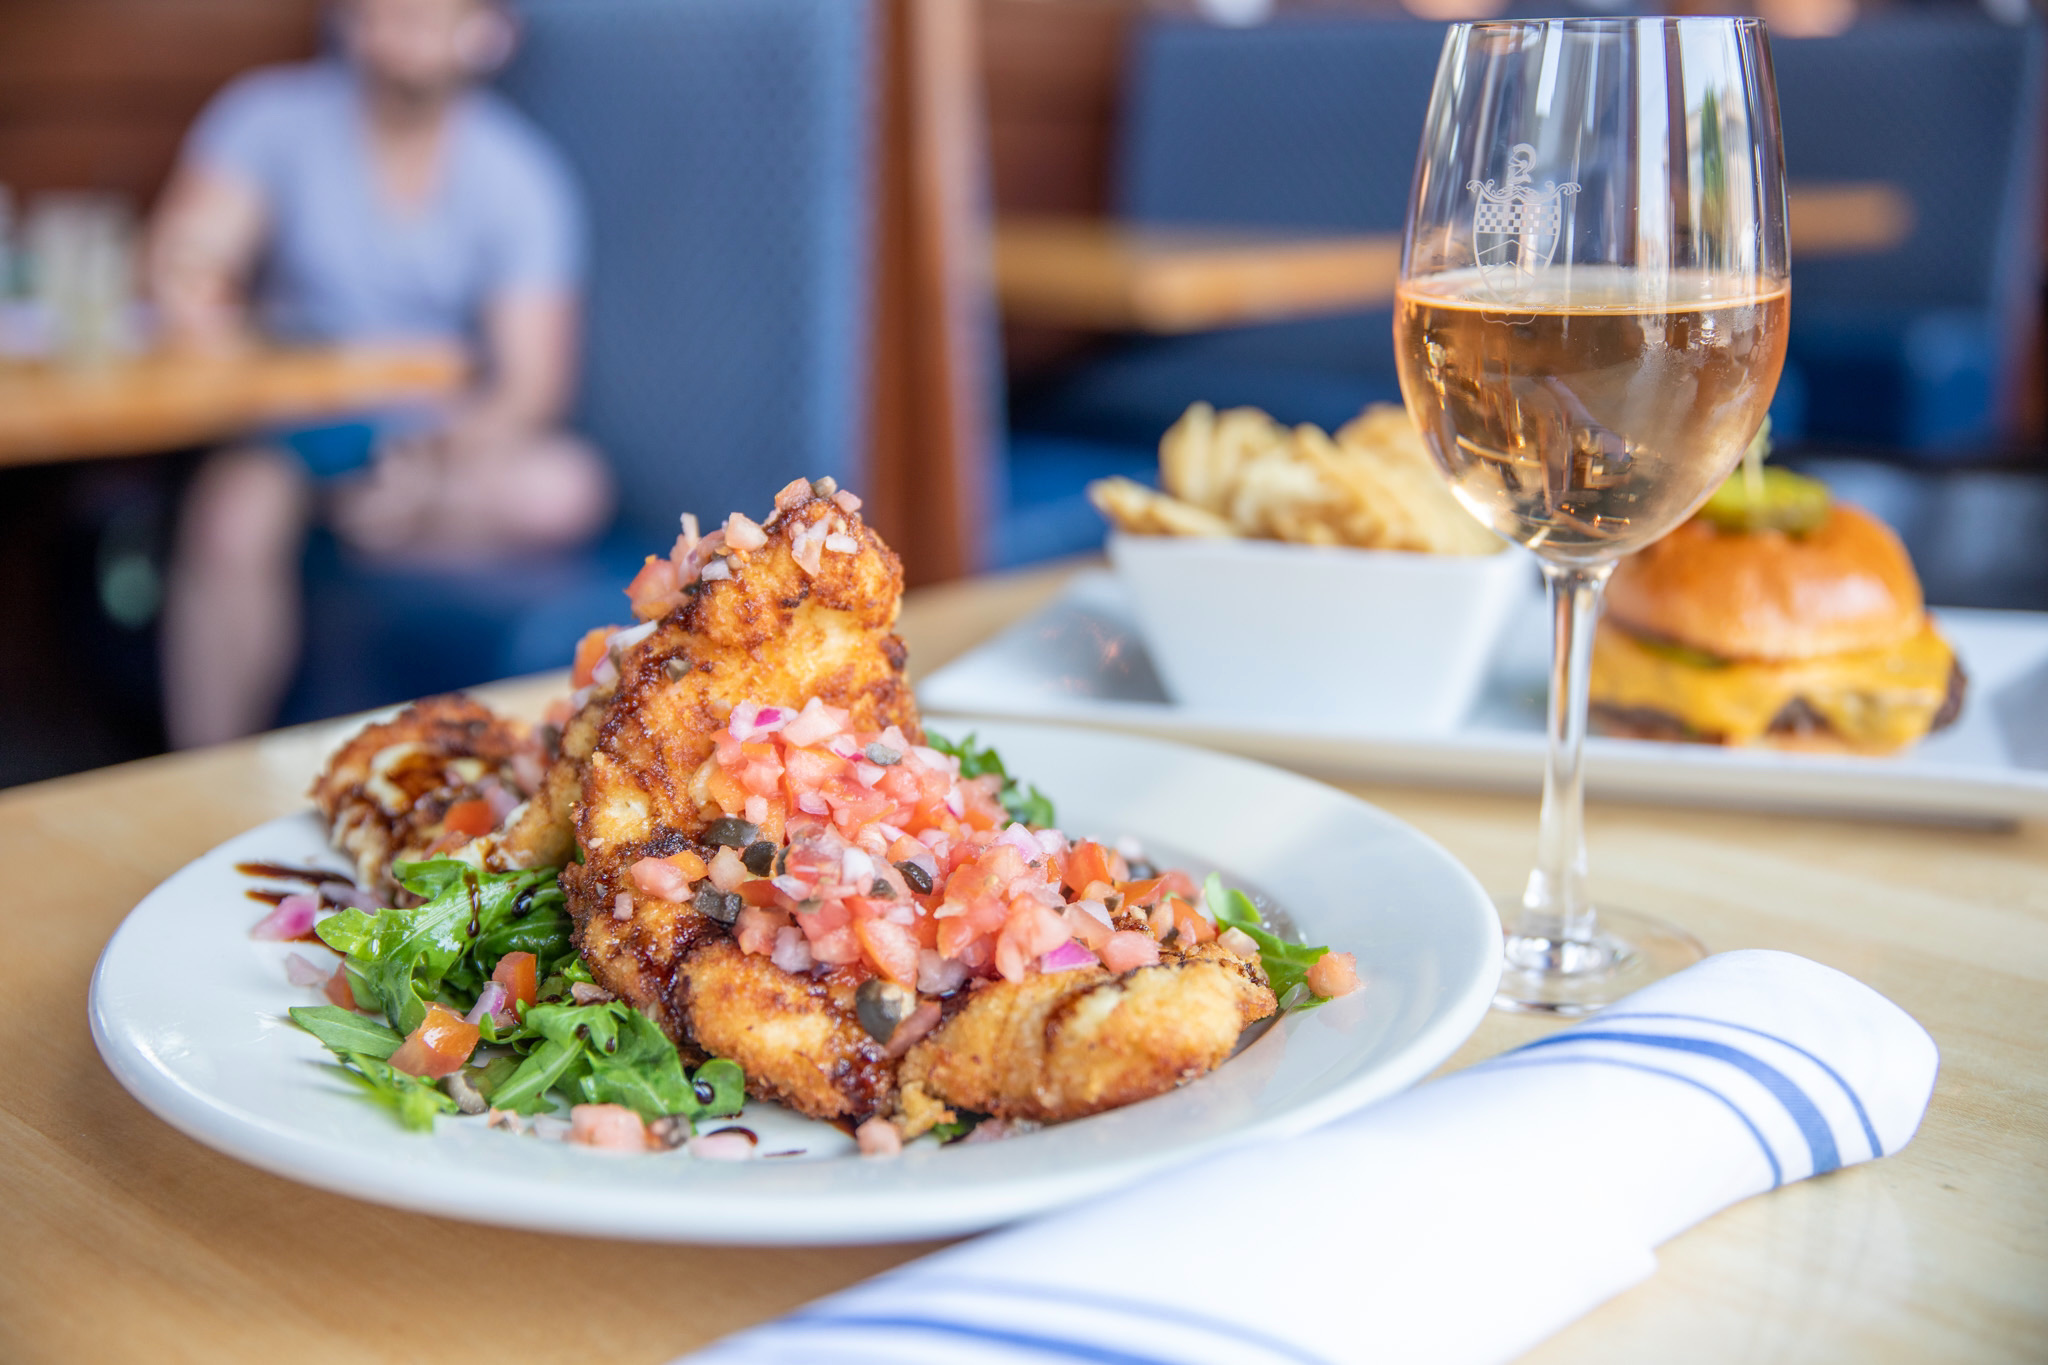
(1589, 327)
(81, 256)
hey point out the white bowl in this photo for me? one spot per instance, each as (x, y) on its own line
(1366, 639)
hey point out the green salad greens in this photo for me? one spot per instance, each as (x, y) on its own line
(443, 951)
(1286, 963)
(1028, 806)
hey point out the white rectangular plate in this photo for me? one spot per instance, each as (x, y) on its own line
(1082, 660)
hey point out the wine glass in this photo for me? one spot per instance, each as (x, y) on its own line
(1590, 324)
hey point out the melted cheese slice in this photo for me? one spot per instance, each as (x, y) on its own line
(1876, 699)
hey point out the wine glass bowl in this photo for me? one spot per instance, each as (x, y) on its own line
(1589, 326)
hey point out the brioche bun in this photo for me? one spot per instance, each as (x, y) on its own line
(1845, 586)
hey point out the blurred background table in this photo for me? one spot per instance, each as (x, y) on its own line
(1103, 273)
(144, 404)
(130, 1241)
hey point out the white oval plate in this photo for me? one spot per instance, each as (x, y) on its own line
(189, 1013)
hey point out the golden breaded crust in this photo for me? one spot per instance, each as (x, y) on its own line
(796, 1036)
(771, 634)
(1061, 1046)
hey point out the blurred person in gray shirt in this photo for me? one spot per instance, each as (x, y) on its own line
(380, 196)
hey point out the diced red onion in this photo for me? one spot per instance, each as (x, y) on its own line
(757, 810)
(622, 905)
(605, 673)
(1066, 958)
(900, 913)
(1020, 838)
(1050, 840)
(933, 759)
(843, 745)
(620, 640)
(955, 802)
(292, 919)
(1238, 943)
(490, 1001)
(937, 975)
(727, 871)
(301, 971)
(727, 1144)
(715, 571)
(868, 774)
(796, 888)
(1095, 910)
(848, 501)
(793, 494)
(841, 543)
(810, 803)
(349, 896)
(857, 869)
(792, 950)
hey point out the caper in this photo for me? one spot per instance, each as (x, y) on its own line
(759, 857)
(723, 906)
(880, 1006)
(732, 832)
(881, 890)
(914, 873)
(882, 756)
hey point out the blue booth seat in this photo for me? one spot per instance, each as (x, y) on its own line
(724, 151)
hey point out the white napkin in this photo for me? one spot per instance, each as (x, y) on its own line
(1462, 1222)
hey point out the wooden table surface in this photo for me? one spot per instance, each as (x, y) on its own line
(154, 402)
(1096, 273)
(124, 1240)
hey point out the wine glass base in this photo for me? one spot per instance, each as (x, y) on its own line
(1628, 952)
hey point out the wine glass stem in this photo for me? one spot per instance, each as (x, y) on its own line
(1555, 929)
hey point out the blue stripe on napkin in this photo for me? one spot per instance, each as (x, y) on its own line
(1855, 1100)
(1813, 1125)
(1777, 1171)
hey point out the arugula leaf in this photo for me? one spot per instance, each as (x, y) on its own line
(402, 957)
(1032, 807)
(415, 1101)
(1286, 963)
(494, 1073)
(549, 1065)
(728, 1086)
(345, 1032)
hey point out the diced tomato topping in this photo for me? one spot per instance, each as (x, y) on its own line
(438, 1046)
(890, 948)
(653, 589)
(668, 878)
(1190, 924)
(755, 929)
(837, 947)
(589, 650)
(1141, 895)
(762, 894)
(517, 973)
(1084, 926)
(1090, 862)
(1128, 949)
(339, 990)
(610, 1126)
(1032, 929)
(1333, 974)
(470, 818)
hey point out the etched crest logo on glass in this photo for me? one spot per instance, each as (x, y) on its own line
(1515, 226)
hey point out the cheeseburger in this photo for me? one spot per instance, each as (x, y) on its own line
(1774, 617)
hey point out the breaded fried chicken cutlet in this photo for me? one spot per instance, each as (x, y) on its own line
(763, 854)
(440, 773)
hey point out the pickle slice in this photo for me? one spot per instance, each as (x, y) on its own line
(1792, 503)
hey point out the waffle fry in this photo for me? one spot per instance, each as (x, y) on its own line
(1240, 473)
